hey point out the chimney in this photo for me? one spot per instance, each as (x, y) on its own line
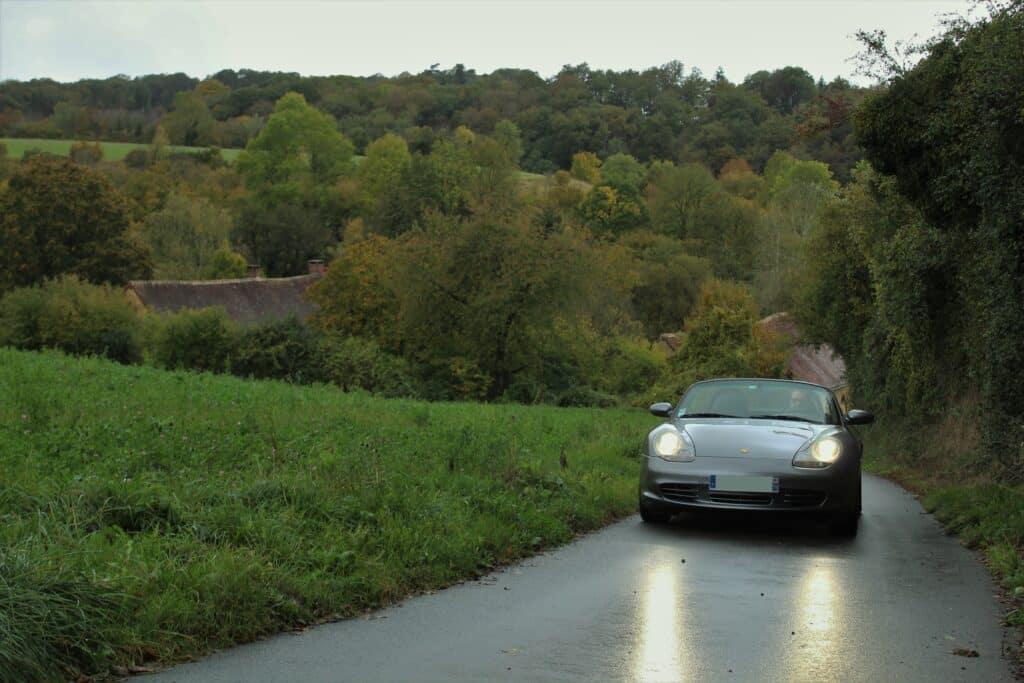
(253, 271)
(316, 266)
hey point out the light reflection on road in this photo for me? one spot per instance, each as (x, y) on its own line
(660, 652)
(818, 615)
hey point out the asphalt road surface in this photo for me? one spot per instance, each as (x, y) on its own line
(699, 600)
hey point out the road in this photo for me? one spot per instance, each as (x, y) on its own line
(698, 600)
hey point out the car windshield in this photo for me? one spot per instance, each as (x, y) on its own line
(759, 399)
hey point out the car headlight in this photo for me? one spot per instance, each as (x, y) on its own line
(669, 443)
(819, 453)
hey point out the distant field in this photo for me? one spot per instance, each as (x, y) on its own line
(152, 516)
(112, 151)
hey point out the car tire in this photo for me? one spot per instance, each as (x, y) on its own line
(845, 524)
(651, 516)
(858, 494)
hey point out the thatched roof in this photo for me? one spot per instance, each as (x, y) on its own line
(247, 301)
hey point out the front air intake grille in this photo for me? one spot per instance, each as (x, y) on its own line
(802, 499)
(680, 492)
(740, 498)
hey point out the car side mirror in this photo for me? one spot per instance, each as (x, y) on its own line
(661, 409)
(858, 417)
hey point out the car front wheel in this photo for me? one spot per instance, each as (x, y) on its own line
(652, 516)
(845, 524)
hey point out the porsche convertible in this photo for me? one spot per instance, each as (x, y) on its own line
(757, 445)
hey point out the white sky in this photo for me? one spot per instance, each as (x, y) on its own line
(71, 39)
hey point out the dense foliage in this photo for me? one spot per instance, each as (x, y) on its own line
(59, 217)
(454, 272)
(663, 112)
(919, 266)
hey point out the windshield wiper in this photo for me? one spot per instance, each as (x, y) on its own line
(707, 415)
(784, 417)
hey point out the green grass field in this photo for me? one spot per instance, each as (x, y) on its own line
(151, 516)
(112, 151)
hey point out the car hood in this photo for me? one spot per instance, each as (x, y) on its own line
(769, 439)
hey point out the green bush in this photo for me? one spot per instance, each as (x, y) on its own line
(86, 153)
(137, 158)
(225, 265)
(73, 316)
(354, 363)
(284, 349)
(195, 340)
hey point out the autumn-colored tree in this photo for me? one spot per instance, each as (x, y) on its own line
(738, 179)
(720, 339)
(58, 217)
(357, 295)
(86, 153)
(608, 210)
(586, 166)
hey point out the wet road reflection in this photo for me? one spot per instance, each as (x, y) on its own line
(818, 601)
(660, 651)
(818, 645)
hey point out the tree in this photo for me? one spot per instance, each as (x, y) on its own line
(737, 178)
(607, 210)
(190, 122)
(357, 296)
(282, 238)
(58, 217)
(297, 157)
(185, 236)
(86, 153)
(668, 281)
(386, 160)
(720, 340)
(675, 196)
(623, 172)
(586, 166)
(509, 137)
(225, 265)
(481, 299)
(949, 132)
(783, 89)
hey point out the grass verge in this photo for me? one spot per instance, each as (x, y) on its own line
(153, 516)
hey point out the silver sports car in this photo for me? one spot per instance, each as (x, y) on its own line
(754, 444)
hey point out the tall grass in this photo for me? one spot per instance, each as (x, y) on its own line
(149, 515)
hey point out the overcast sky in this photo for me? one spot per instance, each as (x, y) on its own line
(68, 40)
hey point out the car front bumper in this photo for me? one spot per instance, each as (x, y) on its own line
(677, 486)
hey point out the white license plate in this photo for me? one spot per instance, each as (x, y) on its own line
(746, 484)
